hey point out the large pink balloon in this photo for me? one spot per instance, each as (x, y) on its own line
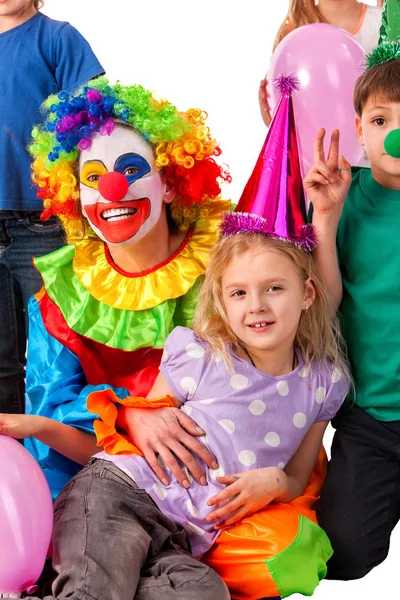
(327, 62)
(26, 517)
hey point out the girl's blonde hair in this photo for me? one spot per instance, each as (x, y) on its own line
(301, 12)
(318, 335)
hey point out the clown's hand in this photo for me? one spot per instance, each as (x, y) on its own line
(163, 435)
(20, 426)
(328, 181)
(245, 494)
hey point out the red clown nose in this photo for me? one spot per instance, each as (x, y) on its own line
(113, 186)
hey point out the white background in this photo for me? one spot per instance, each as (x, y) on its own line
(210, 54)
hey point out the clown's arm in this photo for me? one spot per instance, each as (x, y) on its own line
(56, 394)
(327, 184)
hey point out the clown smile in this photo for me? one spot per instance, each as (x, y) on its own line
(119, 221)
(118, 214)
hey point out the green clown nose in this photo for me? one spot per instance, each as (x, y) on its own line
(392, 143)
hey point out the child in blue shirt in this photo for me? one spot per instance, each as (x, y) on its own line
(40, 56)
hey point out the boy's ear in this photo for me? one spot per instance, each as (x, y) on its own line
(359, 131)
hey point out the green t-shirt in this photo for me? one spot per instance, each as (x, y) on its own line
(368, 244)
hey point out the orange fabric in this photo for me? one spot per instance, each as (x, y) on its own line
(239, 553)
(40, 293)
(103, 403)
(361, 21)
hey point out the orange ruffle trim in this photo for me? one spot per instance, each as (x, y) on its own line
(104, 404)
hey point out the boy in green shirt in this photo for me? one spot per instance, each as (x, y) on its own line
(357, 215)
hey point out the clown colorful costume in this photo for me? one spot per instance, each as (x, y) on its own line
(92, 324)
(142, 166)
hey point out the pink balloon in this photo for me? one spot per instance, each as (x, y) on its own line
(327, 62)
(26, 518)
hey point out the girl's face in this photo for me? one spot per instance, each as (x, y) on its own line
(264, 296)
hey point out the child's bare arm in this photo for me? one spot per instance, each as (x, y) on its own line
(161, 388)
(327, 184)
(247, 492)
(325, 256)
(73, 443)
(299, 468)
(265, 109)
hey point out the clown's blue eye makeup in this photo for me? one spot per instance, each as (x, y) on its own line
(133, 166)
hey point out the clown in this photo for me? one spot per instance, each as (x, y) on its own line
(136, 186)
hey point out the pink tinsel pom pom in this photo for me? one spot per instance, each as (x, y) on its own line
(308, 237)
(287, 84)
(238, 222)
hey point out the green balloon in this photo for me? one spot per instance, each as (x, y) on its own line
(392, 143)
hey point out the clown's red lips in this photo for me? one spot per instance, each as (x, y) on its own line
(119, 221)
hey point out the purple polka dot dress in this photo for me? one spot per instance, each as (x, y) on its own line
(252, 420)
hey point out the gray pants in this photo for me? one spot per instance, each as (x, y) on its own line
(111, 542)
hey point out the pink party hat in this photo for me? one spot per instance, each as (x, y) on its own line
(273, 201)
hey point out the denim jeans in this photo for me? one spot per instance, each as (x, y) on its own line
(22, 237)
(112, 542)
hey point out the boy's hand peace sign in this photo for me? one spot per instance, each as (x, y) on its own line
(329, 179)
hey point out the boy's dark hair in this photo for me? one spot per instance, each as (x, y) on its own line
(381, 80)
(38, 4)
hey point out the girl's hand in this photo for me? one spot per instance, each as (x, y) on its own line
(263, 101)
(20, 426)
(328, 181)
(245, 494)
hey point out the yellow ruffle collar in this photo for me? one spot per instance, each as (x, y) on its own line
(170, 280)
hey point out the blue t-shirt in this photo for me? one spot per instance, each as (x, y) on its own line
(38, 58)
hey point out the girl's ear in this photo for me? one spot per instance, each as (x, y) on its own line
(169, 194)
(309, 294)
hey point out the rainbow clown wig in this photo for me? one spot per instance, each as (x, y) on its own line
(183, 147)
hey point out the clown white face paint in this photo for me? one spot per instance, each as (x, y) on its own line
(122, 193)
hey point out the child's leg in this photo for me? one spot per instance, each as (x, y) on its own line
(359, 504)
(176, 575)
(106, 530)
(99, 547)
